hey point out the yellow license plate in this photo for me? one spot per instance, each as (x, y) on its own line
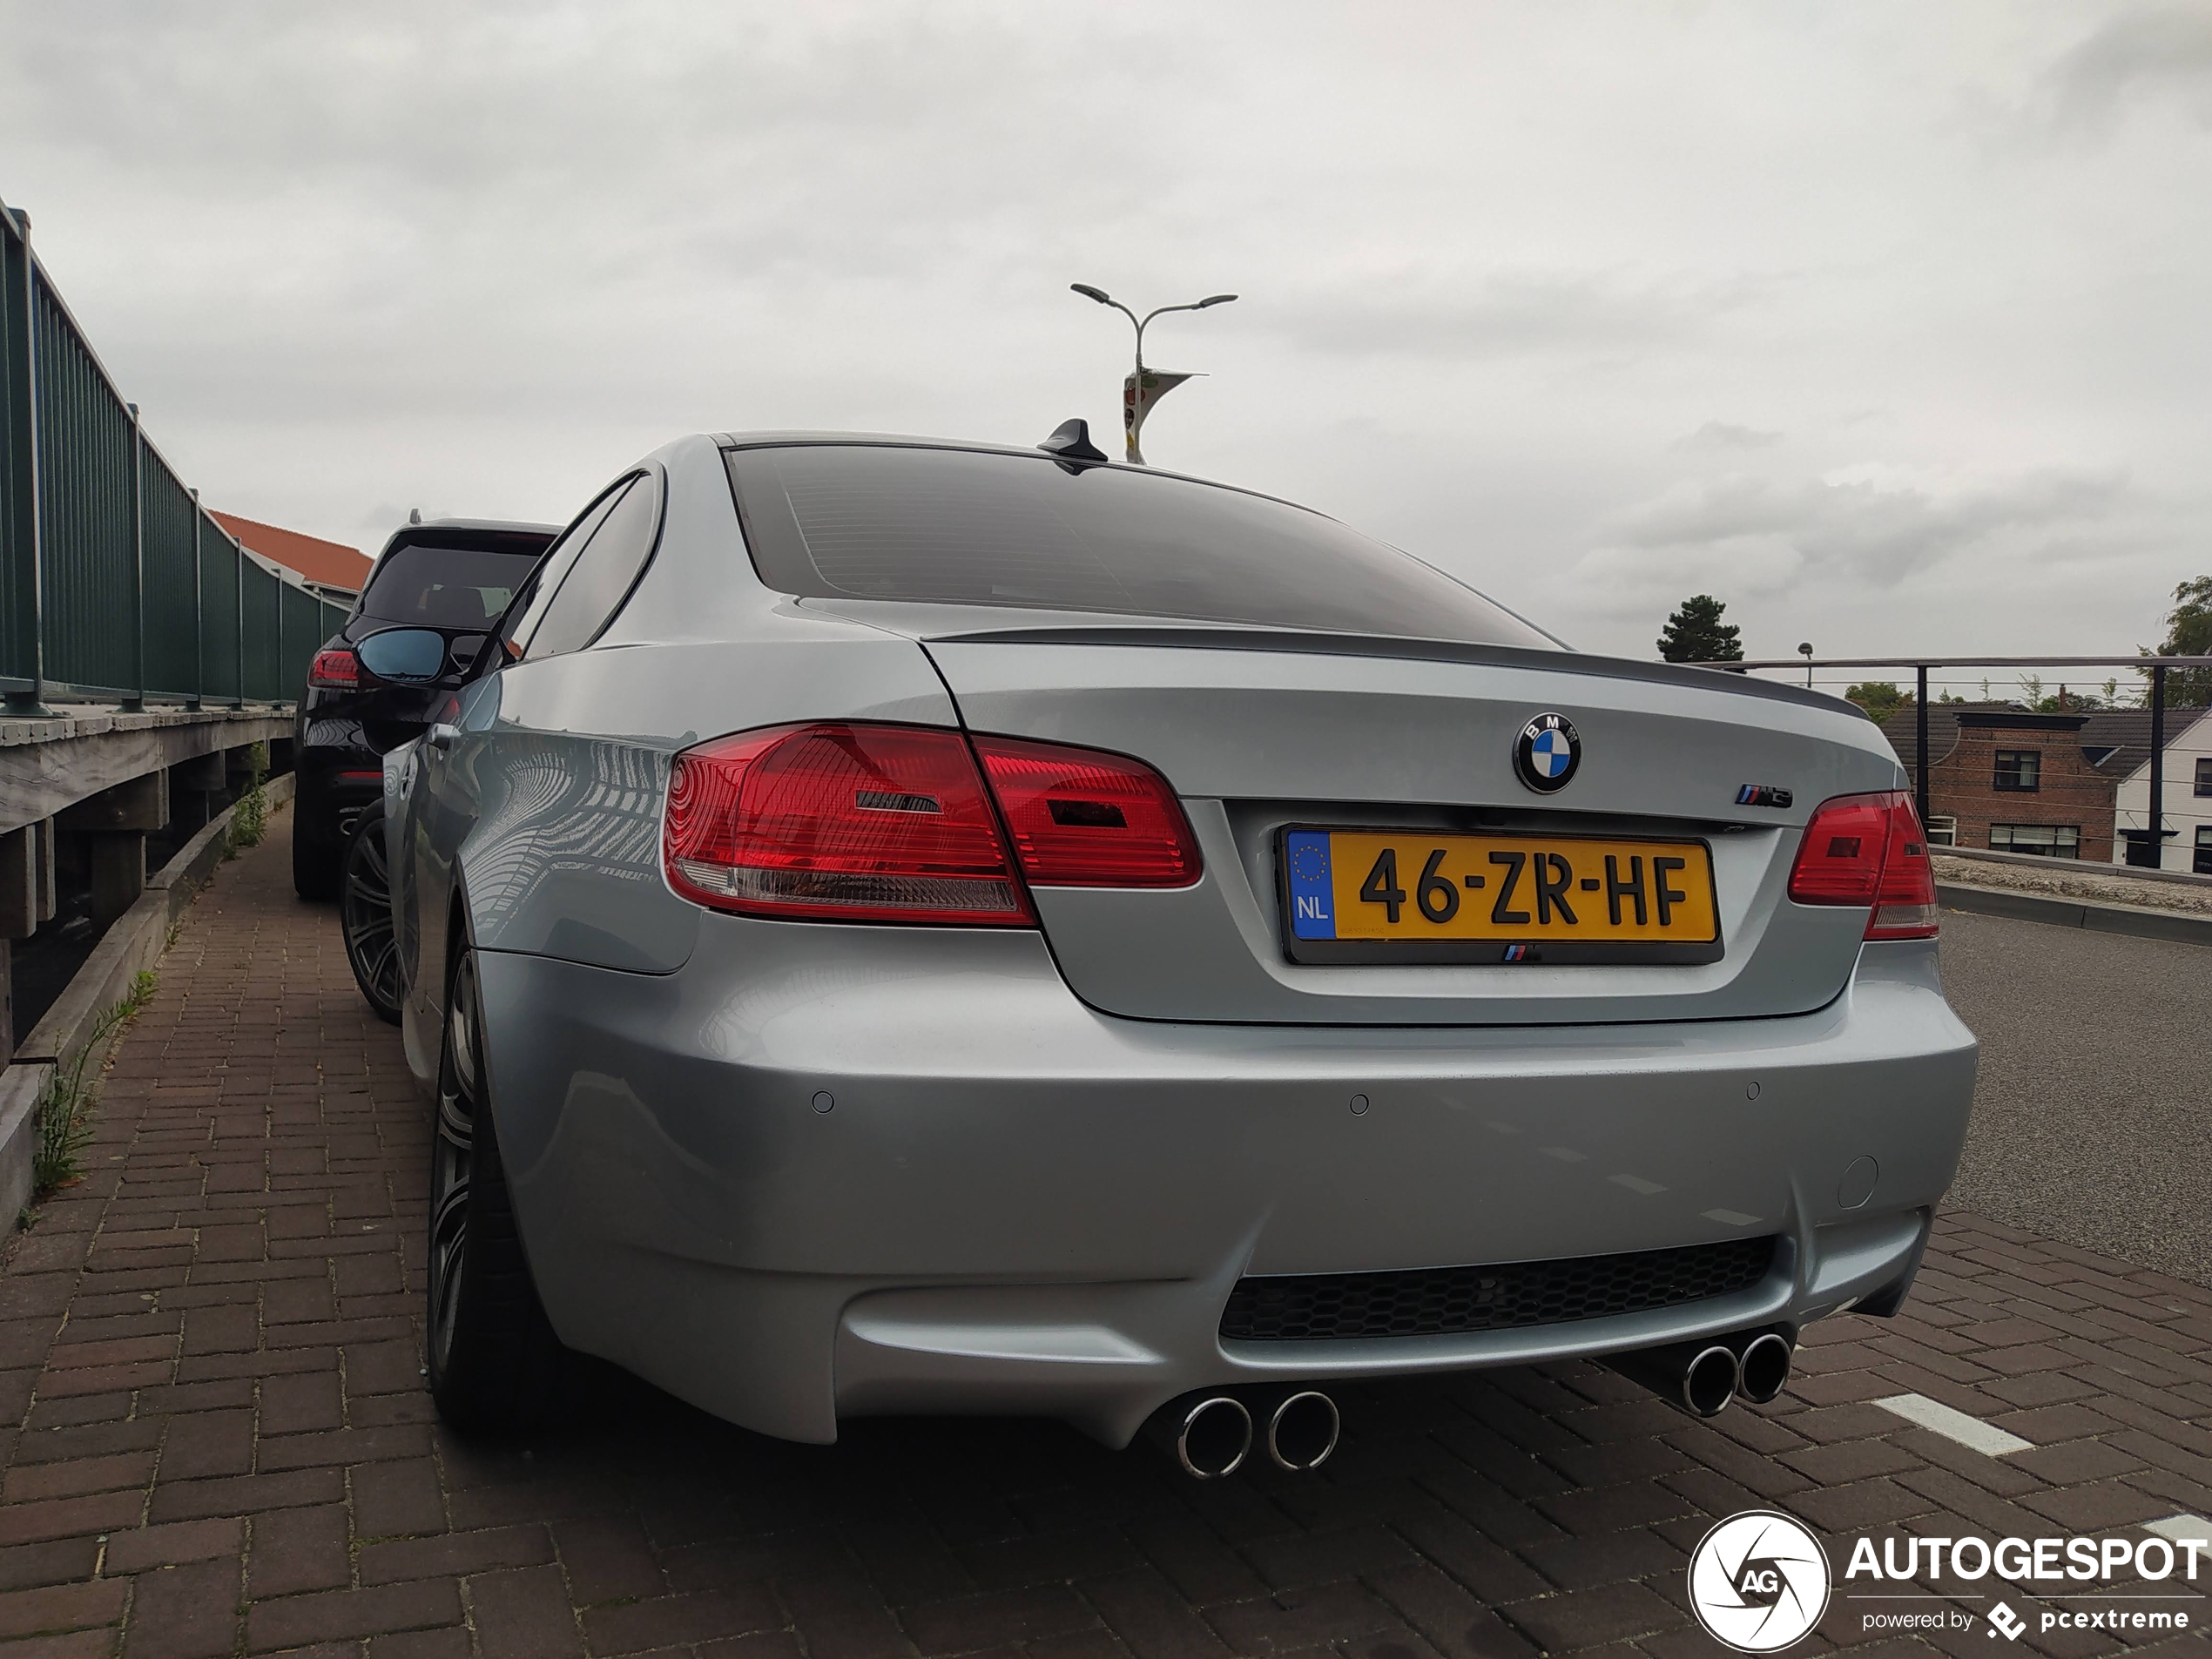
(1377, 895)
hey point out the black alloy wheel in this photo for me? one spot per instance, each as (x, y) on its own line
(365, 913)
(494, 1363)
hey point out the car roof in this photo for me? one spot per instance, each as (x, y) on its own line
(488, 533)
(495, 524)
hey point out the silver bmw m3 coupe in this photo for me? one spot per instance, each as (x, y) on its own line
(914, 927)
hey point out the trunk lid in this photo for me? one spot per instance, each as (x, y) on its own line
(1260, 730)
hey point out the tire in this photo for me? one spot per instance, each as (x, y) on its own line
(365, 914)
(316, 870)
(495, 1367)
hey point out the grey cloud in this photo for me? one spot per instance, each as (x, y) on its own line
(1505, 313)
(1865, 530)
(1722, 435)
(1497, 262)
(2140, 49)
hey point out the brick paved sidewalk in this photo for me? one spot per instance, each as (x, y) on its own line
(210, 1351)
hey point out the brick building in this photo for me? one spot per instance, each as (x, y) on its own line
(2012, 780)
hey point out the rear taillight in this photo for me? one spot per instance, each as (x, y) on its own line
(334, 670)
(1869, 851)
(891, 823)
(852, 823)
(1081, 817)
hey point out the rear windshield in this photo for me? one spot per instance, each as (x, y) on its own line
(958, 527)
(444, 587)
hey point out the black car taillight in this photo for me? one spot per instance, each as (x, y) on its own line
(335, 670)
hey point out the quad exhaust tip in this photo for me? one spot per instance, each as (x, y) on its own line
(1708, 1381)
(1213, 1436)
(1763, 1369)
(1302, 1430)
(1701, 1378)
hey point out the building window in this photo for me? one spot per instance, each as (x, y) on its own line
(2204, 777)
(2041, 841)
(2019, 770)
(2202, 865)
(1942, 831)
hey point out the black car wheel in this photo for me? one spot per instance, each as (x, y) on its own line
(316, 869)
(365, 911)
(496, 1365)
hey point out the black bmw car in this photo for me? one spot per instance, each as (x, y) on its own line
(454, 576)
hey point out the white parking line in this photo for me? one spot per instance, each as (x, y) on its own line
(2180, 1527)
(1953, 1424)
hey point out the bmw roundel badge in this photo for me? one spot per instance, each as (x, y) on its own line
(1546, 753)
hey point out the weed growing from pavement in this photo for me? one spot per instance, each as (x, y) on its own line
(64, 1121)
(250, 818)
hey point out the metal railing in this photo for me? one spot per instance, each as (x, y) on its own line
(2157, 668)
(115, 585)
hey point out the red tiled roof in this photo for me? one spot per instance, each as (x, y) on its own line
(331, 563)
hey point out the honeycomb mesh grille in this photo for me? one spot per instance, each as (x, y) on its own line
(1453, 1301)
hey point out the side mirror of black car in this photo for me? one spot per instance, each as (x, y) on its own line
(408, 654)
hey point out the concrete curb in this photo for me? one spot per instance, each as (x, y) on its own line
(20, 1088)
(2137, 921)
(2029, 861)
(134, 942)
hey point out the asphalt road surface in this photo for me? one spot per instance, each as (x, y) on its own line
(2092, 1114)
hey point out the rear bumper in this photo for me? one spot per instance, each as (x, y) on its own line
(823, 1173)
(339, 775)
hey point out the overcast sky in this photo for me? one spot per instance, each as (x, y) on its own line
(1890, 325)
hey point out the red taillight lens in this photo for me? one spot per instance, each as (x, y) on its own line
(1905, 906)
(334, 670)
(852, 823)
(1870, 850)
(1081, 817)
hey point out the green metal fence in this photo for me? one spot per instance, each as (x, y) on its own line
(115, 586)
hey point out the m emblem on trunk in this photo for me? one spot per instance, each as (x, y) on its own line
(1546, 753)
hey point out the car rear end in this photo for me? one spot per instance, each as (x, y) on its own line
(455, 576)
(1300, 969)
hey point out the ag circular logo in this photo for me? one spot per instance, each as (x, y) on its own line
(1758, 1582)
(1546, 753)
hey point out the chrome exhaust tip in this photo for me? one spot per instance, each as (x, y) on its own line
(1764, 1370)
(1302, 1430)
(1708, 1381)
(1212, 1436)
(1699, 1378)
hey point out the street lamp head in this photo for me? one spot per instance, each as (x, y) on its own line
(1089, 293)
(1805, 649)
(1215, 300)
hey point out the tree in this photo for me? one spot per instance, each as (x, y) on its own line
(1880, 698)
(2188, 633)
(1696, 633)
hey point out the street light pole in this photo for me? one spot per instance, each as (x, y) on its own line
(1136, 402)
